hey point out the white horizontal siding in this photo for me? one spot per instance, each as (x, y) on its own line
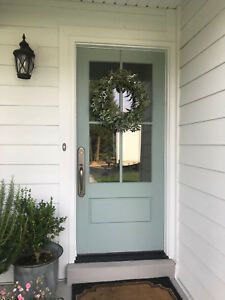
(28, 115)
(29, 135)
(36, 36)
(42, 76)
(206, 37)
(29, 95)
(203, 133)
(200, 20)
(210, 282)
(30, 174)
(47, 56)
(201, 255)
(209, 59)
(192, 283)
(29, 154)
(44, 191)
(205, 180)
(204, 250)
(208, 108)
(208, 157)
(208, 84)
(205, 204)
(189, 10)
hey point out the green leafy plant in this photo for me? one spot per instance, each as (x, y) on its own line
(42, 226)
(11, 235)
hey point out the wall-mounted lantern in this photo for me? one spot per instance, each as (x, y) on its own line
(24, 60)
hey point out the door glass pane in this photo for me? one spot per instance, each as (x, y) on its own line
(103, 155)
(96, 72)
(137, 155)
(144, 72)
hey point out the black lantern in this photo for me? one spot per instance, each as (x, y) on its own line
(24, 59)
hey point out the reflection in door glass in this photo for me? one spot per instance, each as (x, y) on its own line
(103, 156)
(111, 161)
(137, 155)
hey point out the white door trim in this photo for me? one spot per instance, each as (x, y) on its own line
(69, 38)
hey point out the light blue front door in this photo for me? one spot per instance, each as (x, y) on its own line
(120, 201)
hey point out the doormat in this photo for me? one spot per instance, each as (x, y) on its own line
(143, 289)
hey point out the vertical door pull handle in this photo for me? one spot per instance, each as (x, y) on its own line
(81, 173)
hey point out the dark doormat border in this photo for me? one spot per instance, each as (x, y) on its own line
(77, 289)
(120, 256)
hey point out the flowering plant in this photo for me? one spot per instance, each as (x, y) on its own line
(29, 291)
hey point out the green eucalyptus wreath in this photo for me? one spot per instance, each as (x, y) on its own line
(104, 107)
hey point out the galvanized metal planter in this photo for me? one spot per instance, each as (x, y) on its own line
(47, 271)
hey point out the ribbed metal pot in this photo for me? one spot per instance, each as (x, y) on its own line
(47, 271)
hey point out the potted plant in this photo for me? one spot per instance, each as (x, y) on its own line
(40, 254)
(11, 235)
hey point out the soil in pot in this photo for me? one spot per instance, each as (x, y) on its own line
(30, 260)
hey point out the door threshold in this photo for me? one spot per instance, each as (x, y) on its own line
(119, 270)
(120, 256)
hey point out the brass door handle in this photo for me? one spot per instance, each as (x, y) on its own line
(81, 172)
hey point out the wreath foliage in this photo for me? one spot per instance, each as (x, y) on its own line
(104, 107)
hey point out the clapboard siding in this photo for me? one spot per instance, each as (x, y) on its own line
(207, 205)
(201, 253)
(211, 232)
(209, 108)
(24, 95)
(42, 76)
(36, 36)
(204, 133)
(209, 157)
(212, 285)
(29, 115)
(44, 191)
(30, 174)
(29, 155)
(200, 20)
(29, 135)
(208, 181)
(209, 59)
(207, 37)
(204, 251)
(208, 84)
(189, 10)
(47, 56)
(192, 283)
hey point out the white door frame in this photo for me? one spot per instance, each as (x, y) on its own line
(69, 39)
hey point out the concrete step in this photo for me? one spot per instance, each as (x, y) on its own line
(111, 271)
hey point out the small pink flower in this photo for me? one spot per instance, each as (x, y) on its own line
(20, 289)
(3, 292)
(28, 286)
(20, 297)
(37, 296)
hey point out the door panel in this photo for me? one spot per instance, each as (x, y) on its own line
(123, 207)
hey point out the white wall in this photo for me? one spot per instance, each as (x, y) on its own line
(201, 258)
(32, 119)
